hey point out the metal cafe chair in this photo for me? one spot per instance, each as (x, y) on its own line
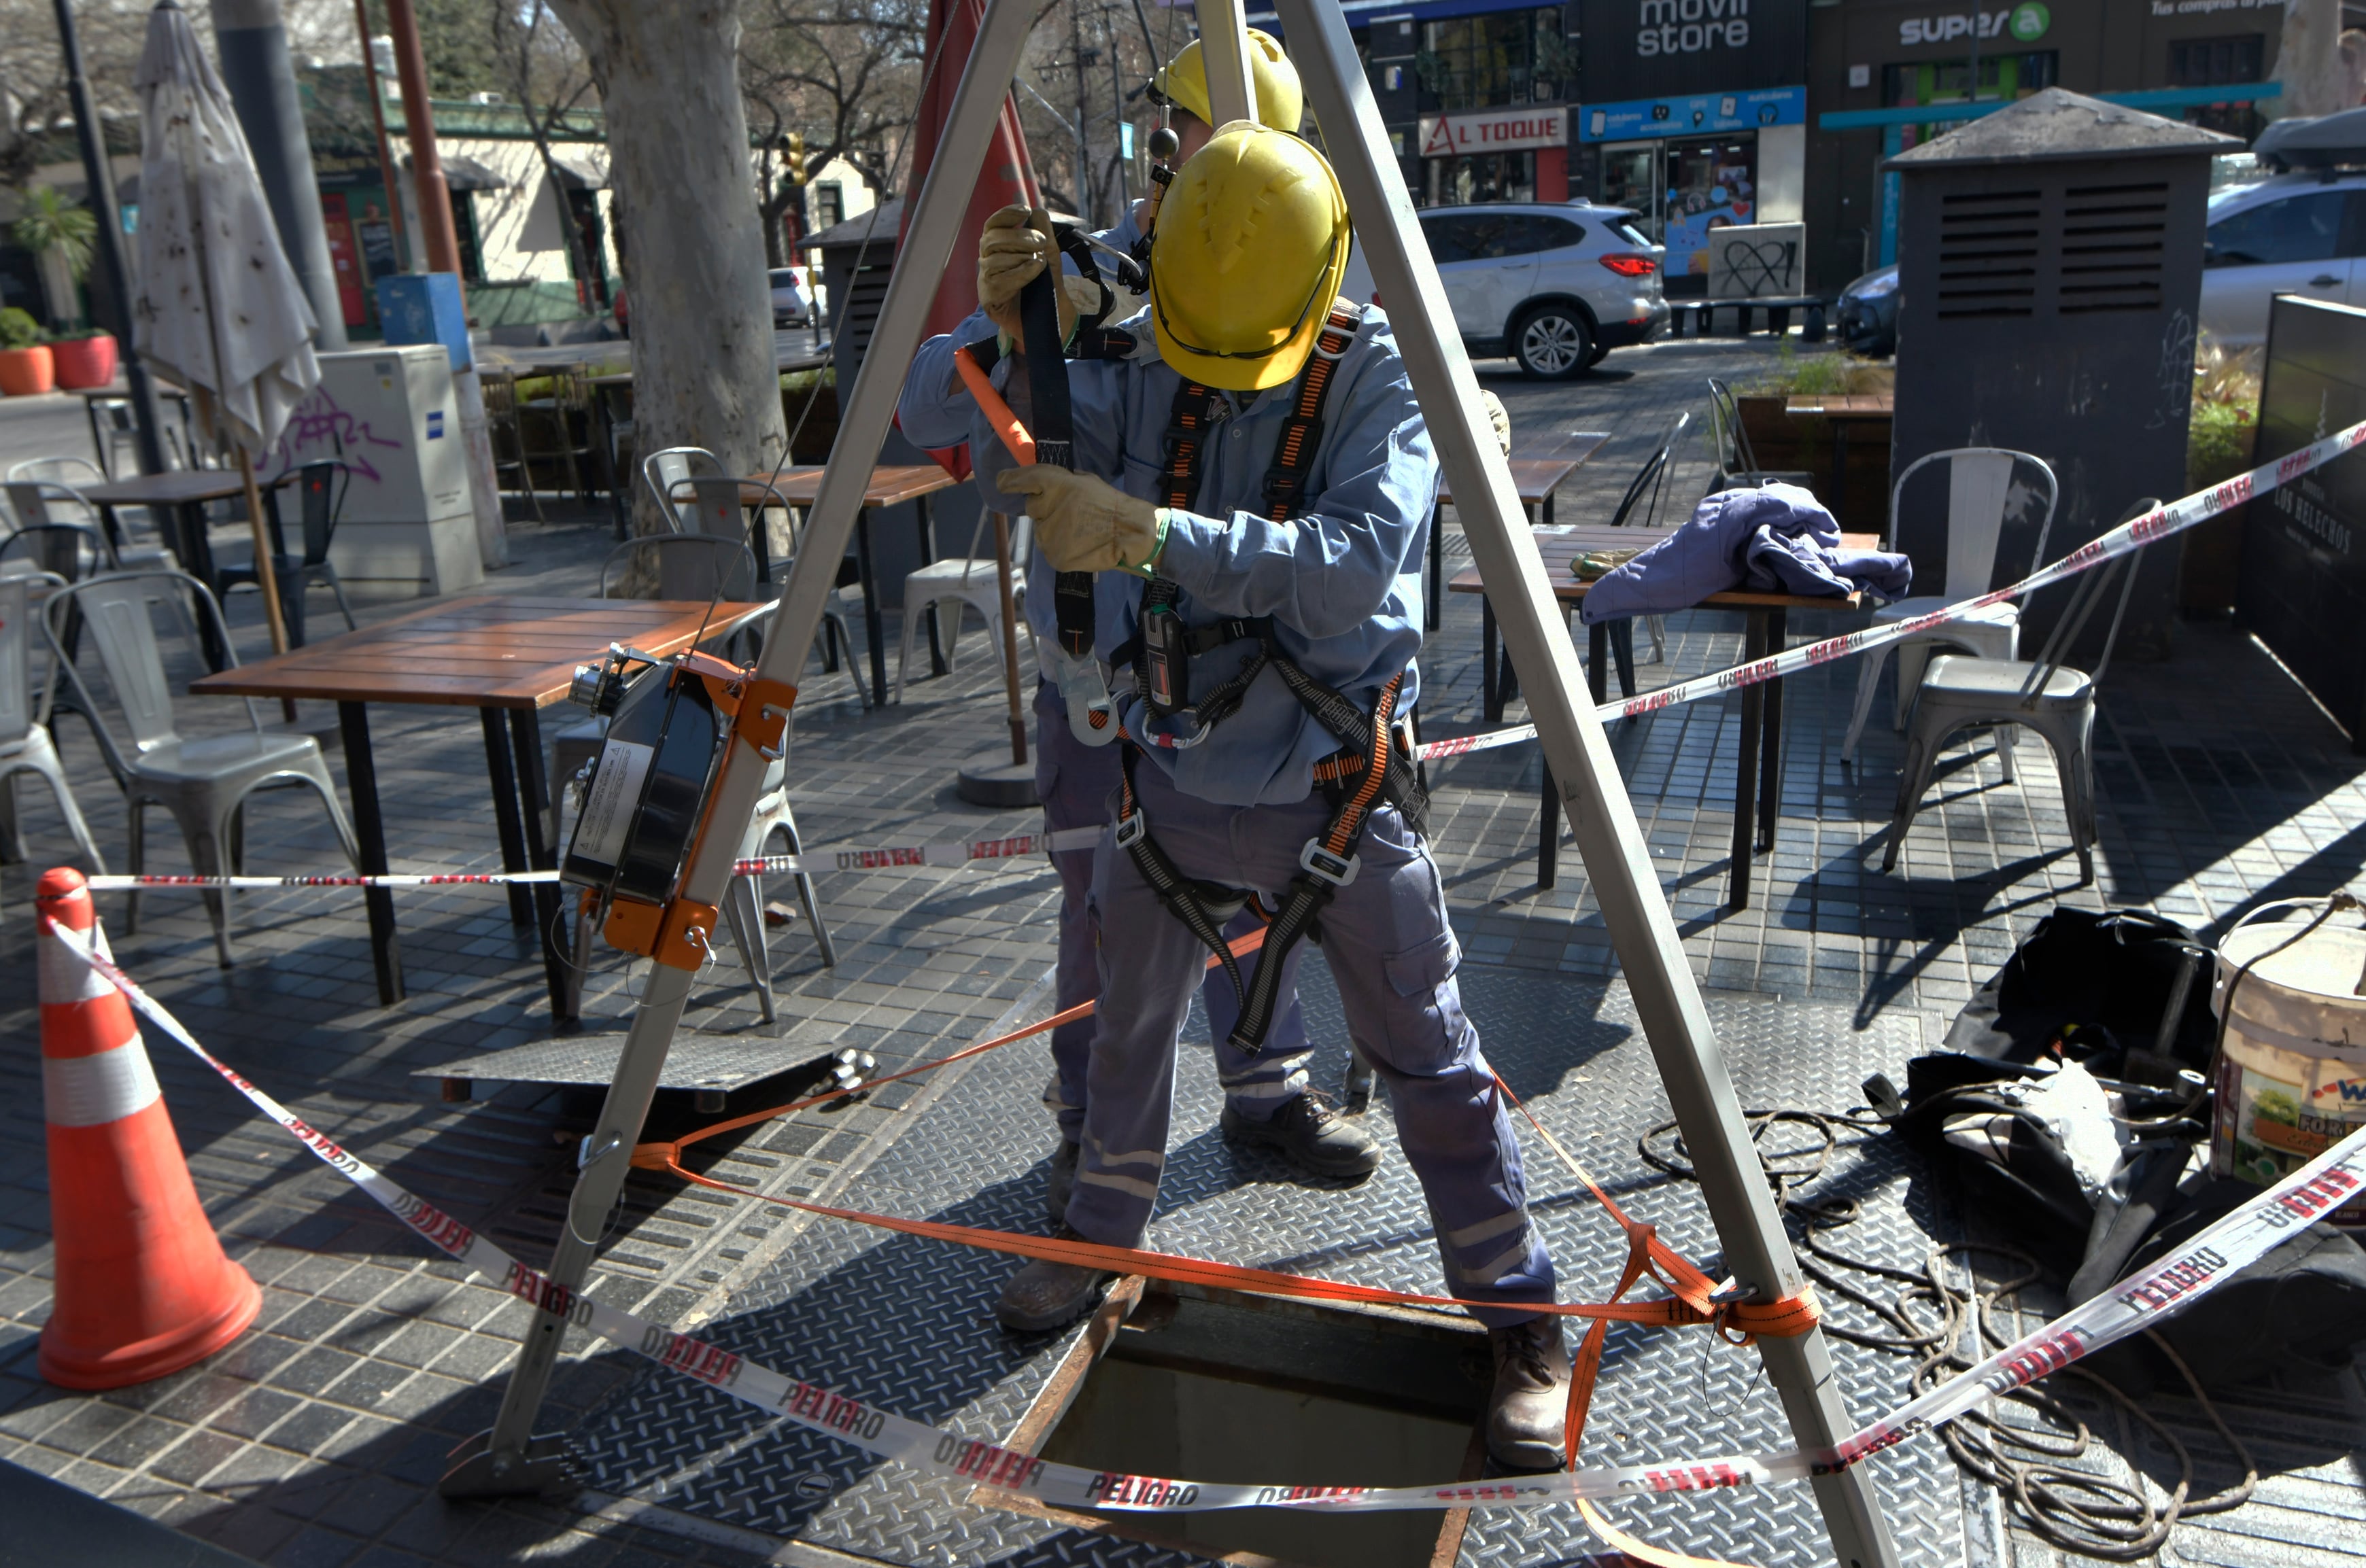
(972, 581)
(47, 490)
(25, 746)
(203, 782)
(1957, 692)
(320, 488)
(1737, 464)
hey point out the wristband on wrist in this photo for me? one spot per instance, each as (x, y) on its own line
(1149, 564)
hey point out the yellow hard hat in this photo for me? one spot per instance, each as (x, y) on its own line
(1245, 260)
(1282, 103)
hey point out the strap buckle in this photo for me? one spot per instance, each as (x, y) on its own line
(1132, 830)
(1320, 862)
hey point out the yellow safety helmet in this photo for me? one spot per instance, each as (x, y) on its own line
(1245, 260)
(1281, 102)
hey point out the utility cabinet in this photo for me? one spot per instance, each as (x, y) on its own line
(2049, 277)
(2302, 589)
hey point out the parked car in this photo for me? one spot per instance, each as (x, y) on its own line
(1555, 285)
(792, 298)
(2303, 233)
(1867, 315)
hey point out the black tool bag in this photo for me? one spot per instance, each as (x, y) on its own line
(2100, 986)
(2300, 1309)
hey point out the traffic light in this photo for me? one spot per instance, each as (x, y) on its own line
(796, 158)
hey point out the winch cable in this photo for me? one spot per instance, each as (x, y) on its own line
(2097, 1516)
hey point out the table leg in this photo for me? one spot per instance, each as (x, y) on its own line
(1433, 607)
(1548, 508)
(533, 792)
(505, 813)
(874, 632)
(1770, 756)
(198, 560)
(288, 577)
(1745, 783)
(937, 665)
(369, 831)
(1547, 834)
(606, 433)
(1491, 701)
(1597, 660)
(113, 525)
(1840, 468)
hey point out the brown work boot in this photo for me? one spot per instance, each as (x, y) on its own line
(1313, 1135)
(1043, 1296)
(1528, 1411)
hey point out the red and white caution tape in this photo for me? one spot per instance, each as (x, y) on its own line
(952, 854)
(2139, 1302)
(2155, 525)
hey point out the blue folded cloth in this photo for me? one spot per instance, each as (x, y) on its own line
(1770, 539)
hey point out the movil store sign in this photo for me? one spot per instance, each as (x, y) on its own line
(1692, 26)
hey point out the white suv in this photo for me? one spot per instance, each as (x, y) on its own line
(1556, 286)
(2298, 233)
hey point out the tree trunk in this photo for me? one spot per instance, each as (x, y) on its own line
(703, 369)
(2308, 61)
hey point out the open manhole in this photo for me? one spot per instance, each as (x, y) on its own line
(1210, 1385)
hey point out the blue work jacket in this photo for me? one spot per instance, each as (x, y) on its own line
(1340, 581)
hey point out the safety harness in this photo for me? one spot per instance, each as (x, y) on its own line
(1375, 763)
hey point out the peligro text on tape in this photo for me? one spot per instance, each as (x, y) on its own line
(2136, 1303)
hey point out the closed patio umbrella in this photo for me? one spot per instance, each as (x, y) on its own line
(219, 310)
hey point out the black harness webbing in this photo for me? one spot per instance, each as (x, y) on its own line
(1371, 746)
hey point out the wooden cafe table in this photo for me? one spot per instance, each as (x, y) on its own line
(1757, 776)
(1538, 470)
(508, 658)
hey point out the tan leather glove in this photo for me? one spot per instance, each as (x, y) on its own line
(1013, 248)
(1498, 416)
(1083, 523)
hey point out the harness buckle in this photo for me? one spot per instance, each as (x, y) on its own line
(1336, 869)
(1132, 830)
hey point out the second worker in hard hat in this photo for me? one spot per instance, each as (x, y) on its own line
(1252, 483)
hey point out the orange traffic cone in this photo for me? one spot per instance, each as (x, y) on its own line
(144, 1288)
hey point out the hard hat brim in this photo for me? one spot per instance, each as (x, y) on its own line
(1238, 373)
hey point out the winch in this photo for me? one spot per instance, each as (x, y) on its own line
(649, 792)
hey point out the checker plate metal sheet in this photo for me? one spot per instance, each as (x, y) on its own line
(909, 1322)
(697, 1061)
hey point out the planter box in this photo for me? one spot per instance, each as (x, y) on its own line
(25, 373)
(1806, 445)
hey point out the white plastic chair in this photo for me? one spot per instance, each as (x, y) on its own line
(205, 781)
(1980, 491)
(25, 743)
(972, 581)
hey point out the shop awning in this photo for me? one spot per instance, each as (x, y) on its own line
(579, 176)
(465, 173)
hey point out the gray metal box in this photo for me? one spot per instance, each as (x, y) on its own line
(2049, 273)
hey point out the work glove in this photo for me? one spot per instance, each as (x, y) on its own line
(1083, 523)
(1499, 417)
(1013, 248)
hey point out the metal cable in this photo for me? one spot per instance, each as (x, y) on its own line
(2099, 1515)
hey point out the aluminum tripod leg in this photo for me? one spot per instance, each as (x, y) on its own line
(1699, 1090)
(510, 1459)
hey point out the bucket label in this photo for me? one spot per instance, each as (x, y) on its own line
(2279, 1110)
(608, 805)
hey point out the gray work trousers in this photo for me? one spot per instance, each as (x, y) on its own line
(1394, 958)
(1076, 784)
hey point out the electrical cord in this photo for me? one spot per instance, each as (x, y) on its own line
(2102, 1517)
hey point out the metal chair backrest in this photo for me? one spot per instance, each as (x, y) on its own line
(1979, 493)
(1650, 482)
(665, 472)
(67, 471)
(2092, 585)
(37, 501)
(1732, 443)
(18, 712)
(690, 566)
(321, 486)
(118, 614)
(68, 551)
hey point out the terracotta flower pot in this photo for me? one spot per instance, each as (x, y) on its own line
(84, 362)
(24, 372)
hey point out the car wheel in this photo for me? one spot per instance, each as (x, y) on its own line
(1552, 340)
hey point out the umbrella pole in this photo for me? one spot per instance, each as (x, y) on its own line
(266, 575)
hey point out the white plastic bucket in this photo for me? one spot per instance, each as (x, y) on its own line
(2291, 1071)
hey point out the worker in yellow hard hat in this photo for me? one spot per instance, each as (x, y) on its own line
(1252, 488)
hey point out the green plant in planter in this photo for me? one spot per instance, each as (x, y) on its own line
(2226, 417)
(19, 330)
(61, 235)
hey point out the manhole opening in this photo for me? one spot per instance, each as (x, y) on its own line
(1206, 1385)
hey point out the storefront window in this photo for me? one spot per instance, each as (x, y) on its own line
(2211, 63)
(1485, 176)
(1502, 57)
(2002, 76)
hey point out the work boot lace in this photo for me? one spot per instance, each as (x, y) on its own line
(1313, 1107)
(1520, 1349)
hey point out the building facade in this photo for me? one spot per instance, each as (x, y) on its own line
(1870, 59)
